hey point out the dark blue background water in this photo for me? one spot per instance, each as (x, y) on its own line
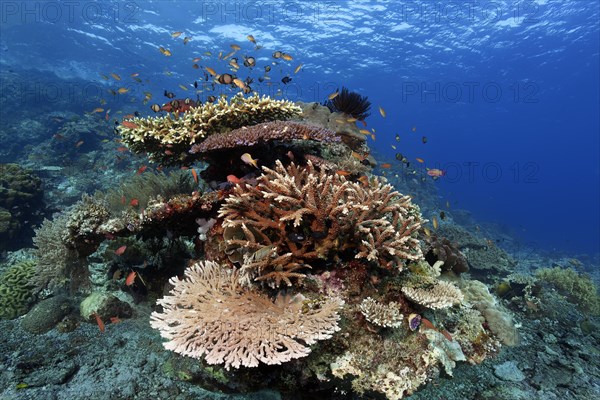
(507, 93)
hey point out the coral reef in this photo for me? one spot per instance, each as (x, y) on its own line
(580, 289)
(441, 249)
(484, 258)
(209, 314)
(167, 139)
(305, 261)
(16, 289)
(350, 103)
(21, 203)
(296, 217)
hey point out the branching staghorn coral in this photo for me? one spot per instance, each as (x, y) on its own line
(167, 139)
(296, 216)
(209, 314)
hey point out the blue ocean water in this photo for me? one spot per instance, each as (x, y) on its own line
(506, 93)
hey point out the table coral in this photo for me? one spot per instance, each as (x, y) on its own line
(167, 139)
(210, 315)
(247, 136)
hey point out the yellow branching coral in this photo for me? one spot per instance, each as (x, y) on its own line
(297, 216)
(167, 139)
(209, 314)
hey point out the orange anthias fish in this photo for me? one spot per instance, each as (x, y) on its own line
(386, 165)
(130, 278)
(195, 175)
(129, 124)
(134, 203)
(121, 250)
(141, 169)
(233, 179)
(99, 322)
(425, 323)
(436, 173)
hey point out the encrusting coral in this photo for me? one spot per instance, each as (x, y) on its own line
(297, 216)
(167, 139)
(209, 314)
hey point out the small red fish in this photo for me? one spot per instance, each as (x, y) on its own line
(233, 179)
(106, 117)
(115, 320)
(121, 250)
(364, 180)
(78, 143)
(386, 165)
(99, 322)
(130, 278)
(129, 124)
(122, 149)
(128, 116)
(342, 172)
(436, 173)
(141, 169)
(427, 324)
(123, 200)
(195, 175)
(134, 203)
(446, 334)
